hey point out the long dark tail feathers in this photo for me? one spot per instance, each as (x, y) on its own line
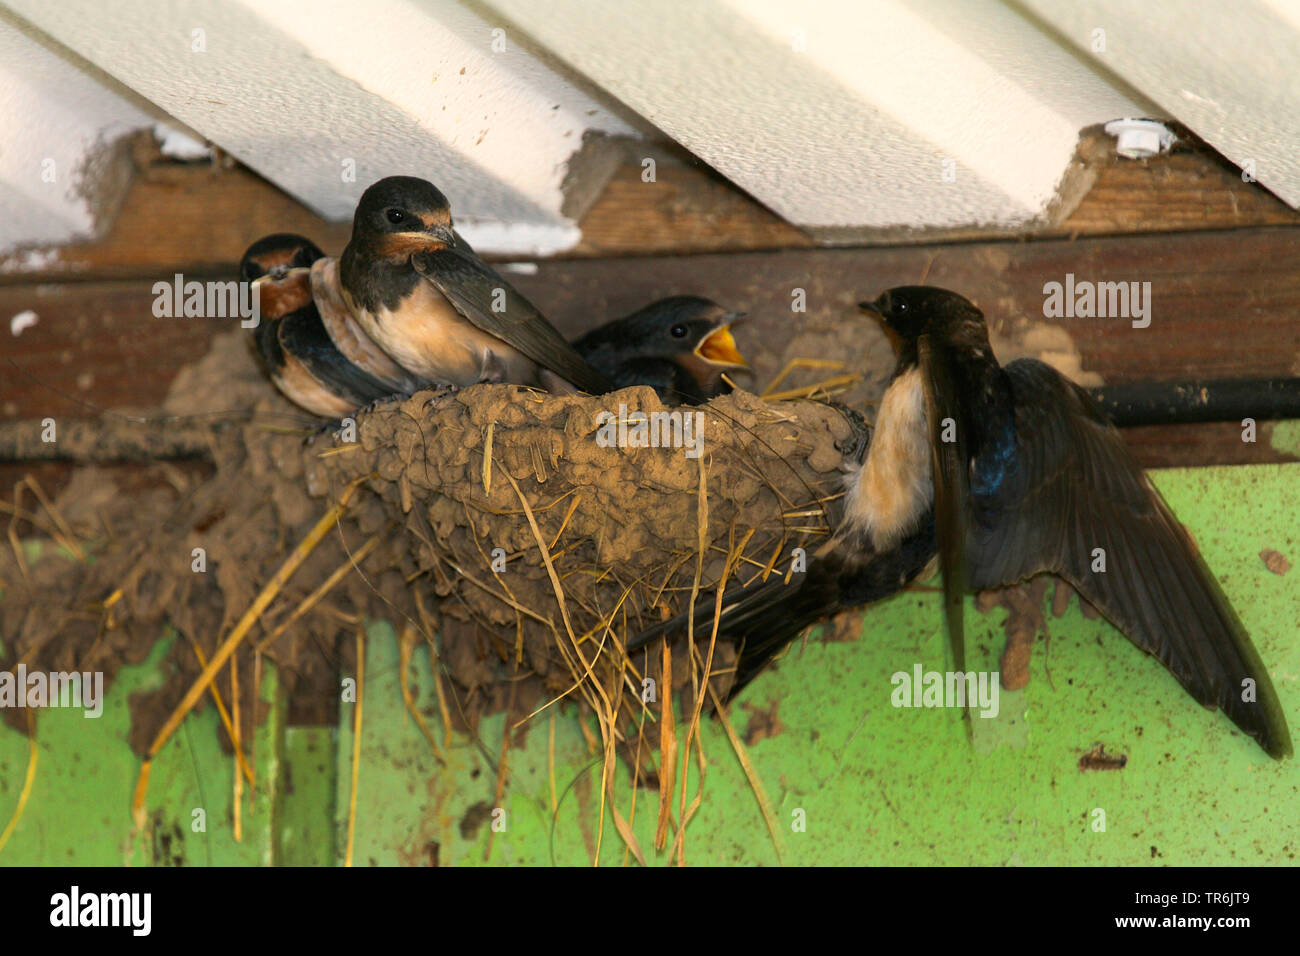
(745, 612)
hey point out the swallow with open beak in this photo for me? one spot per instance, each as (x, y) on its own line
(680, 346)
(438, 310)
(1029, 476)
(302, 359)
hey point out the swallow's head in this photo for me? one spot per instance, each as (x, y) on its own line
(693, 332)
(686, 327)
(276, 256)
(279, 268)
(911, 311)
(401, 212)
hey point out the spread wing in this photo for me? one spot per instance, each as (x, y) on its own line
(473, 289)
(950, 452)
(1077, 498)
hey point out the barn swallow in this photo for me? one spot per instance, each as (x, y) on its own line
(347, 334)
(437, 309)
(1029, 476)
(679, 346)
(865, 560)
(299, 354)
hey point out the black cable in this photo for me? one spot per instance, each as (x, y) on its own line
(1212, 400)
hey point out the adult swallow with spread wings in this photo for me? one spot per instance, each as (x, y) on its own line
(438, 310)
(1034, 479)
(302, 359)
(680, 346)
(1029, 476)
(347, 334)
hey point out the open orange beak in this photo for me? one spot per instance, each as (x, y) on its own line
(719, 347)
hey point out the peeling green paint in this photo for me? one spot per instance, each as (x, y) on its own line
(1285, 437)
(79, 809)
(875, 783)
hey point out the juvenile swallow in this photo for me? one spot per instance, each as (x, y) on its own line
(349, 337)
(679, 346)
(438, 310)
(884, 540)
(1029, 476)
(291, 339)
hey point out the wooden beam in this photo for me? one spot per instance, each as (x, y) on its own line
(199, 218)
(1223, 305)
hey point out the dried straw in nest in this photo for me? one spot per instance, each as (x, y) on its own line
(492, 521)
(548, 549)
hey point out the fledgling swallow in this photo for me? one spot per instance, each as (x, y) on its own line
(1029, 476)
(302, 359)
(438, 310)
(348, 336)
(680, 346)
(858, 565)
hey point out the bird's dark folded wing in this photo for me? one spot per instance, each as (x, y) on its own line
(268, 344)
(607, 343)
(672, 383)
(473, 289)
(303, 335)
(949, 454)
(1077, 499)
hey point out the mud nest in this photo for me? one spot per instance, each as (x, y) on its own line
(490, 523)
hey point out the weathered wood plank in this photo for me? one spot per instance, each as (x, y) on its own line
(1224, 305)
(198, 218)
(1190, 188)
(95, 345)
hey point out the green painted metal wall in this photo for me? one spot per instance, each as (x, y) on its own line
(872, 783)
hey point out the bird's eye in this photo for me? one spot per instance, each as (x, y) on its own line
(395, 216)
(678, 331)
(899, 306)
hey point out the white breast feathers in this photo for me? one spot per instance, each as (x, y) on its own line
(894, 486)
